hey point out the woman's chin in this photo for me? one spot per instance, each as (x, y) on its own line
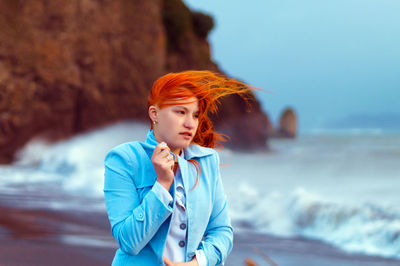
(185, 144)
(179, 145)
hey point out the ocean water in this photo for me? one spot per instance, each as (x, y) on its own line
(341, 187)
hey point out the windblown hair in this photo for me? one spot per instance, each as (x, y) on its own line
(208, 87)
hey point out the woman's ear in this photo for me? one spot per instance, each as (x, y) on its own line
(153, 113)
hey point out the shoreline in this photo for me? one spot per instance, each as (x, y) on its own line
(54, 237)
(270, 250)
(65, 237)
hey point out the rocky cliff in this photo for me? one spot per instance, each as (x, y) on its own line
(70, 66)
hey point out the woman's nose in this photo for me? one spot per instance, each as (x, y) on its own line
(189, 122)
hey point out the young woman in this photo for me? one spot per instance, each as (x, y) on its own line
(164, 196)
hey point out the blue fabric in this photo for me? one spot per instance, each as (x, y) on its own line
(140, 220)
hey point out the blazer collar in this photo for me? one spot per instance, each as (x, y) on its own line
(190, 152)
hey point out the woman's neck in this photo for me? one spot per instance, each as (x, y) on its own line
(177, 152)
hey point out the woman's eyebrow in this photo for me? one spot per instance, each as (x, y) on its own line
(185, 108)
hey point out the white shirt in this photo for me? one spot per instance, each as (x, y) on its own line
(175, 247)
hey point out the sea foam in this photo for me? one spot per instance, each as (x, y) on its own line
(365, 228)
(78, 161)
(273, 202)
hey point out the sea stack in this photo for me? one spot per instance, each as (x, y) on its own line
(288, 124)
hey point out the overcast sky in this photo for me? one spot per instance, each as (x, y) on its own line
(326, 59)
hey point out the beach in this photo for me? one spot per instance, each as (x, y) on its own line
(321, 199)
(72, 237)
(298, 101)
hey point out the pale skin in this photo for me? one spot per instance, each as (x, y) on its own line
(175, 128)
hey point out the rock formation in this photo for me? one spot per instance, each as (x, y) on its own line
(288, 124)
(70, 66)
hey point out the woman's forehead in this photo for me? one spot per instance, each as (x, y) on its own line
(183, 101)
(191, 104)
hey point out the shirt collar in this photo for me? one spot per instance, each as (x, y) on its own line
(190, 152)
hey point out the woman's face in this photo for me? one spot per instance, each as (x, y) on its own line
(177, 124)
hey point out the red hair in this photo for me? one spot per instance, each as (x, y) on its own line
(208, 87)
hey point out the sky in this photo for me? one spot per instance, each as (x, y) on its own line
(328, 60)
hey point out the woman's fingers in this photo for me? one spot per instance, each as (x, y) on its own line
(168, 262)
(166, 156)
(163, 154)
(162, 146)
(163, 162)
(163, 151)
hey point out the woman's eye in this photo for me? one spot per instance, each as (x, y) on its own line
(180, 112)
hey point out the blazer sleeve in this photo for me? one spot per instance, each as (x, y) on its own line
(218, 238)
(133, 223)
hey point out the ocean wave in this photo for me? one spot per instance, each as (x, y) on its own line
(376, 131)
(77, 161)
(372, 228)
(366, 228)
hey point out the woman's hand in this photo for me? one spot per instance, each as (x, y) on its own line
(193, 262)
(163, 163)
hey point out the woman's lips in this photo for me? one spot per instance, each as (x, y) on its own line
(186, 135)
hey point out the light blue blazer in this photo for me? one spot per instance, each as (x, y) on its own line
(140, 220)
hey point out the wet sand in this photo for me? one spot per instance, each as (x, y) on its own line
(270, 251)
(46, 237)
(64, 237)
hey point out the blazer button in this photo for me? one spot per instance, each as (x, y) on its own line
(182, 226)
(181, 243)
